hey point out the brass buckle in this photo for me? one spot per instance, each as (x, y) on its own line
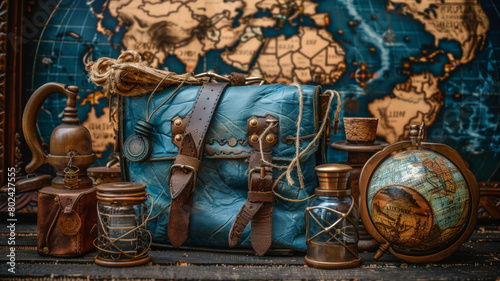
(184, 167)
(254, 80)
(213, 75)
(248, 80)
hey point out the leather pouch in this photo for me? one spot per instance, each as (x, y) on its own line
(66, 218)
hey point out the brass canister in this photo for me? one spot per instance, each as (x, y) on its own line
(332, 221)
(122, 216)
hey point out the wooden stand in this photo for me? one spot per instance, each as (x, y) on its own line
(357, 155)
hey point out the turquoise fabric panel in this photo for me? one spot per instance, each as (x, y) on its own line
(222, 178)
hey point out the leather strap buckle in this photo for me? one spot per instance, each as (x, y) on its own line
(185, 167)
(262, 170)
(189, 157)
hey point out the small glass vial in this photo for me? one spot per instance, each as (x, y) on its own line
(332, 221)
(122, 215)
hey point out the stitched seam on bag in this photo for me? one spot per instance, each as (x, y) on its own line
(317, 90)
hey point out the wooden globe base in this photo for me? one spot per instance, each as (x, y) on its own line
(128, 263)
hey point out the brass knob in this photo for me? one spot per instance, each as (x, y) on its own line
(46, 249)
(270, 138)
(254, 123)
(178, 138)
(178, 122)
(254, 138)
(56, 199)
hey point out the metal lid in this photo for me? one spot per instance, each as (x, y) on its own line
(333, 168)
(332, 177)
(122, 193)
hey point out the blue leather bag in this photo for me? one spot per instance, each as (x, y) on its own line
(222, 178)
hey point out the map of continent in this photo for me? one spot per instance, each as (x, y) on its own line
(402, 61)
(419, 99)
(190, 29)
(463, 21)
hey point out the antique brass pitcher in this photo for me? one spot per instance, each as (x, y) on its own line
(70, 143)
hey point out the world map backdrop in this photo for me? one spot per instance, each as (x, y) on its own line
(402, 61)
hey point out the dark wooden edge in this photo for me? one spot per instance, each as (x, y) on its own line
(489, 200)
(3, 82)
(451, 155)
(11, 52)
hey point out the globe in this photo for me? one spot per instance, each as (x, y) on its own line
(419, 201)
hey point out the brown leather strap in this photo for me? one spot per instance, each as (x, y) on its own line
(259, 196)
(244, 216)
(184, 171)
(258, 208)
(262, 221)
(188, 161)
(237, 79)
(262, 229)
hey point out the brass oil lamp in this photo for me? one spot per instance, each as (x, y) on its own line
(66, 208)
(70, 143)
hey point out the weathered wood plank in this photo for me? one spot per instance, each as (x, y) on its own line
(167, 258)
(486, 234)
(484, 272)
(479, 258)
(21, 240)
(470, 253)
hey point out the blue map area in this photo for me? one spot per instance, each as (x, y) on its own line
(383, 41)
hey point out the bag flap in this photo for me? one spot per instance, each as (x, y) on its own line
(227, 135)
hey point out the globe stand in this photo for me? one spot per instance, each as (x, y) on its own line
(398, 205)
(358, 154)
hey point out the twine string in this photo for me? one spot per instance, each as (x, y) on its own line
(129, 75)
(295, 162)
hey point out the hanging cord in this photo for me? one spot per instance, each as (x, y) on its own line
(165, 101)
(298, 155)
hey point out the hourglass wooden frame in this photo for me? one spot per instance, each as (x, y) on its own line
(416, 136)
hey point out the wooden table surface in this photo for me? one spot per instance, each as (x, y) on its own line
(478, 259)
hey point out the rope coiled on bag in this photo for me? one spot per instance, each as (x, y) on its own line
(129, 75)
